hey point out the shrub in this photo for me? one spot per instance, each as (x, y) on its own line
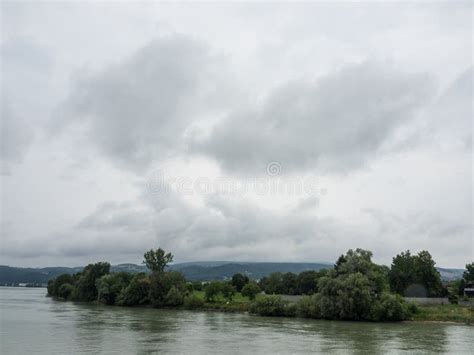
(308, 307)
(136, 293)
(269, 306)
(86, 289)
(250, 290)
(228, 291)
(453, 298)
(212, 290)
(174, 297)
(197, 286)
(390, 308)
(193, 301)
(55, 285)
(189, 288)
(109, 286)
(161, 283)
(239, 281)
(65, 291)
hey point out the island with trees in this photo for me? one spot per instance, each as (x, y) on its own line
(356, 288)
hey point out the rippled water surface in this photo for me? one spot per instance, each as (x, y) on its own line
(33, 323)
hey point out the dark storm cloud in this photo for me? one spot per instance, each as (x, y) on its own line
(336, 124)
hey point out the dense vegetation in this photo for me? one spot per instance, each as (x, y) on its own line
(354, 289)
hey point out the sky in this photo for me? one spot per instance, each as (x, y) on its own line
(235, 131)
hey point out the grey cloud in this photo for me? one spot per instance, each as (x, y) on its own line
(334, 125)
(16, 137)
(138, 111)
(450, 120)
(116, 216)
(222, 228)
(25, 69)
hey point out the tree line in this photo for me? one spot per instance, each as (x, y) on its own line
(409, 275)
(354, 289)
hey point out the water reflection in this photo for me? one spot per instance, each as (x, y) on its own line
(33, 323)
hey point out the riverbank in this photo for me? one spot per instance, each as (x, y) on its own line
(446, 313)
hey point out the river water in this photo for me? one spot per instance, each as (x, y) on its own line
(33, 323)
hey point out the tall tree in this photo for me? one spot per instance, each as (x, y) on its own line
(468, 275)
(402, 272)
(157, 260)
(415, 271)
(426, 273)
(239, 281)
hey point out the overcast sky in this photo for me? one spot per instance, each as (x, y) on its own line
(244, 132)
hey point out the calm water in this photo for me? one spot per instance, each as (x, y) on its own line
(32, 323)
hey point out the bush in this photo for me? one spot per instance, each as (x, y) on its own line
(65, 291)
(109, 286)
(250, 290)
(136, 293)
(85, 286)
(174, 297)
(308, 307)
(193, 301)
(161, 284)
(228, 291)
(239, 281)
(391, 308)
(197, 286)
(269, 306)
(212, 290)
(453, 298)
(189, 288)
(55, 285)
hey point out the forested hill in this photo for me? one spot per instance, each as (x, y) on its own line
(201, 271)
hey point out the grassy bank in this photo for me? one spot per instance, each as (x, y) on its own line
(239, 303)
(445, 313)
(431, 313)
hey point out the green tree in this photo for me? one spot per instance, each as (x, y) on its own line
(174, 297)
(426, 273)
(157, 260)
(273, 284)
(161, 284)
(347, 296)
(415, 271)
(251, 290)
(85, 287)
(212, 290)
(289, 284)
(228, 291)
(111, 285)
(271, 305)
(350, 291)
(137, 291)
(307, 282)
(197, 286)
(55, 285)
(65, 291)
(239, 281)
(468, 275)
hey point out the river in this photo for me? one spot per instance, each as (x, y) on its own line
(33, 323)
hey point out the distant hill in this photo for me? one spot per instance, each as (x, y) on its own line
(193, 271)
(197, 272)
(450, 274)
